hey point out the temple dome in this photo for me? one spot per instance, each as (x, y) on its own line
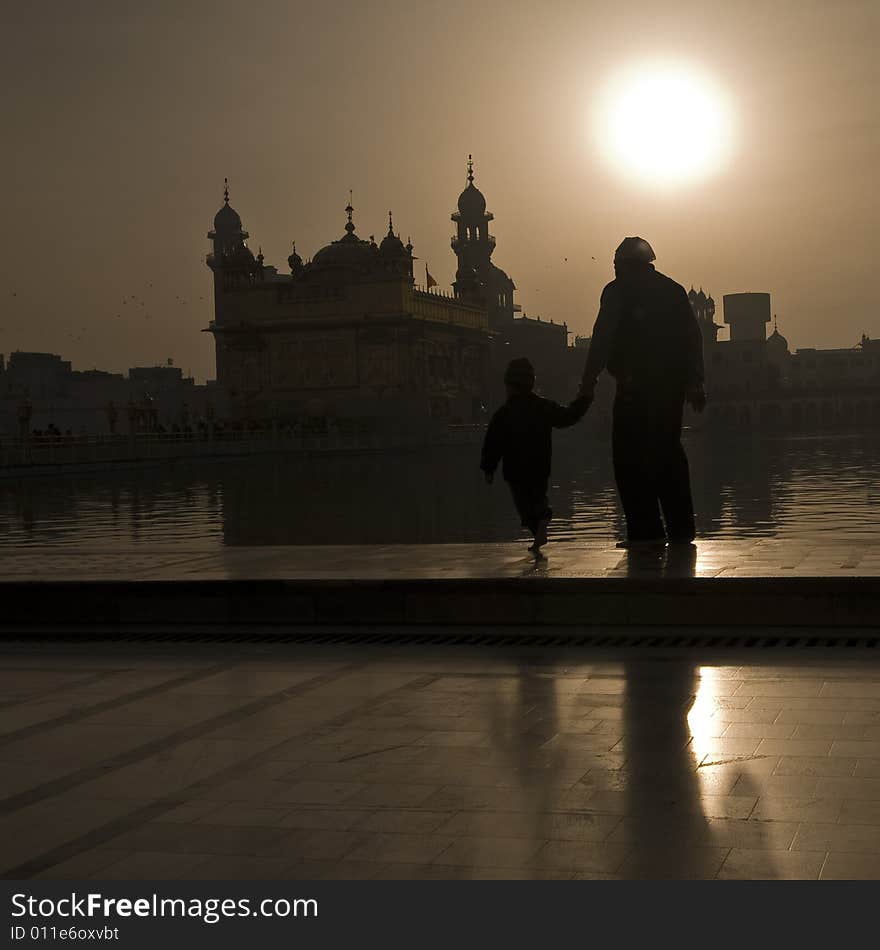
(346, 252)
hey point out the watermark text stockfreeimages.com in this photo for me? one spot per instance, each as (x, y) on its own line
(210, 910)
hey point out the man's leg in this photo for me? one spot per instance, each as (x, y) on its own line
(673, 476)
(675, 497)
(633, 452)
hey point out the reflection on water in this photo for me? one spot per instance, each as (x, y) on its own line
(782, 487)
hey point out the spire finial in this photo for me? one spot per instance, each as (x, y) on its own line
(226, 190)
(470, 167)
(349, 210)
(390, 225)
(775, 325)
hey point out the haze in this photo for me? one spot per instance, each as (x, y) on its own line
(121, 120)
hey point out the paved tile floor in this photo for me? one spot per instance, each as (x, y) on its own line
(207, 761)
(760, 558)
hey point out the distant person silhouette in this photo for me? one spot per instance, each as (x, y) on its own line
(647, 337)
(521, 434)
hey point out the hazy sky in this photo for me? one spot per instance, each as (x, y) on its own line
(121, 119)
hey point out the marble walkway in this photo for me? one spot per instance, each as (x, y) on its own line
(763, 558)
(271, 762)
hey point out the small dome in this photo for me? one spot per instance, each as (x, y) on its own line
(392, 246)
(501, 277)
(295, 262)
(227, 219)
(471, 202)
(777, 341)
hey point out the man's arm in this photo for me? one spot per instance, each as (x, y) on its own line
(602, 338)
(561, 417)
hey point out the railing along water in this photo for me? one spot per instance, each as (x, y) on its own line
(63, 451)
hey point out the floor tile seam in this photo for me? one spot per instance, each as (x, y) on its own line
(84, 712)
(139, 753)
(102, 834)
(536, 848)
(95, 677)
(56, 669)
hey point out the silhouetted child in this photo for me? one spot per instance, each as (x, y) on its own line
(521, 434)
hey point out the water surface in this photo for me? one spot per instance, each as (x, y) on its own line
(809, 487)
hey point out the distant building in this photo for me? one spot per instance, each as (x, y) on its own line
(38, 375)
(86, 400)
(756, 381)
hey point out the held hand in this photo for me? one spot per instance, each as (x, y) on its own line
(489, 476)
(587, 392)
(696, 399)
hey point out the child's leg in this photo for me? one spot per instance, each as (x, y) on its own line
(543, 514)
(534, 511)
(524, 500)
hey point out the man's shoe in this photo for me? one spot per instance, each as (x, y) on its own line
(641, 543)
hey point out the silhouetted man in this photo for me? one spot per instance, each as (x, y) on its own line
(647, 337)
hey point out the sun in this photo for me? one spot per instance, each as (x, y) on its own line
(665, 124)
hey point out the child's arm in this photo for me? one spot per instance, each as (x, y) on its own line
(493, 446)
(561, 417)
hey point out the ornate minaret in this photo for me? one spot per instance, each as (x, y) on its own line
(477, 279)
(295, 262)
(472, 244)
(704, 310)
(231, 259)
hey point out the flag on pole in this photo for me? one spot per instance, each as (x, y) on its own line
(429, 280)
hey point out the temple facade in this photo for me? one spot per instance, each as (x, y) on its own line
(344, 335)
(348, 334)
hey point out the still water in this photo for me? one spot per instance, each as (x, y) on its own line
(783, 487)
